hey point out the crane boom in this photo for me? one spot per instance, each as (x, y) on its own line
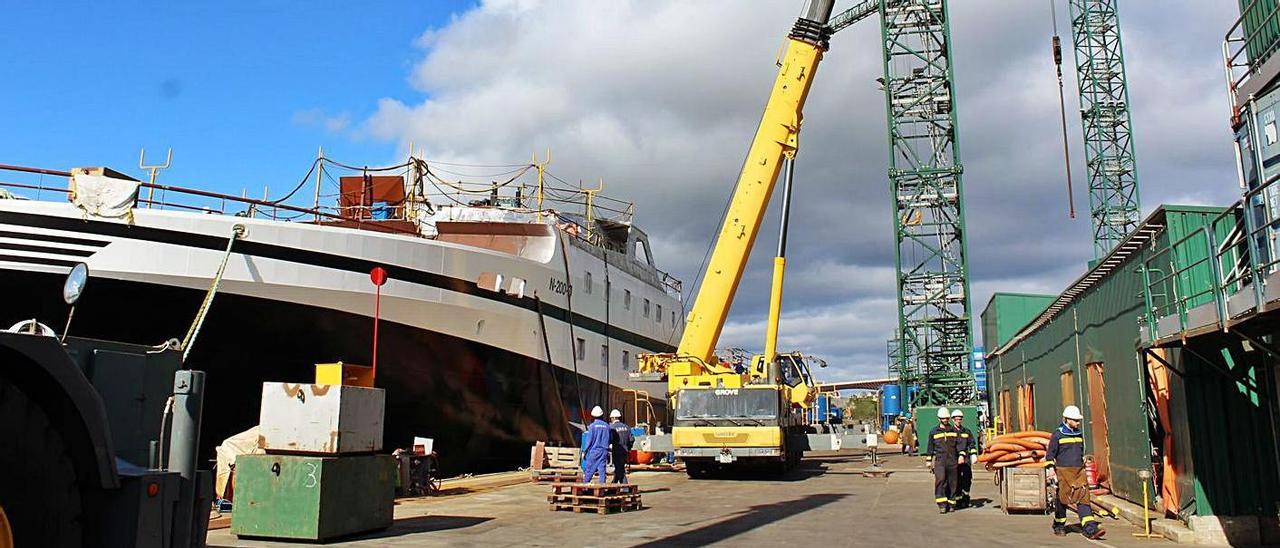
(775, 140)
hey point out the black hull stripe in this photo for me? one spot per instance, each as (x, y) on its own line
(337, 262)
(51, 238)
(6, 246)
(38, 260)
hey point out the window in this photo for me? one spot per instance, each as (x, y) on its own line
(626, 360)
(604, 355)
(657, 315)
(646, 308)
(1068, 388)
(586, 282)
(582, 349)
(626, 299)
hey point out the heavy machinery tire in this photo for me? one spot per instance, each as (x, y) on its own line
(38, 489)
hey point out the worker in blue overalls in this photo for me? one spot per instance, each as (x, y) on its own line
(595, 451)
(1065, 458)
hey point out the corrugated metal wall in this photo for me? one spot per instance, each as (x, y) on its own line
(1006, 313)
(1101, 327)
(1223, 442)
(1230, 397)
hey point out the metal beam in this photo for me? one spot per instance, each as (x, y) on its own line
(852, 15)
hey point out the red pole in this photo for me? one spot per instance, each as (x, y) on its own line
(377, 304)
(378, 276)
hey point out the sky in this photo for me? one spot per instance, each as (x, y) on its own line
(659, 99)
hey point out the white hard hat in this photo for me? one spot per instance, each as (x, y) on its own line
(615, 414)
(957, 413)
(597, 412)
(943, 413)
(1072, 412)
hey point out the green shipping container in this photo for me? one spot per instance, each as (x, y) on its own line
(927, 418)
(312, 498)
(1261, 27)
(1008, 313)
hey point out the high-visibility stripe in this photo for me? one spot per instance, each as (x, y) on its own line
(1071, 440)
(964, 435)
(1059, 520)
(1088, 519)
(940, 499)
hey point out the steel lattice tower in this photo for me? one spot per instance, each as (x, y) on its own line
(935, 335)
(1108, 128)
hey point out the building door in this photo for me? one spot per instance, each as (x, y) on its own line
(1097, 424)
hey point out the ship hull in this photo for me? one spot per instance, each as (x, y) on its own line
(481, 404)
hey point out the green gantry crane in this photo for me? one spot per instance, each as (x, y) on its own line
(934, 338)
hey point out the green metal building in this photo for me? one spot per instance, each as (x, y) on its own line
(1203, 428)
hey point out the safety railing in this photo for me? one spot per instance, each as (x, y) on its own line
(1227, 257)
(1249, 42)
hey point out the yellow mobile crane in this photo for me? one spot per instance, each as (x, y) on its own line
(755, 414)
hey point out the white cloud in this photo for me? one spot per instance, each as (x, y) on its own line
(661, 99)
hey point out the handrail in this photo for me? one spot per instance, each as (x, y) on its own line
(1232, 60)
(1179, 278)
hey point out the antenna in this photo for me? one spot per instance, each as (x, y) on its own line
(154, 169)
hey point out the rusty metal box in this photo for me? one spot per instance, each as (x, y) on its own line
(320, 419)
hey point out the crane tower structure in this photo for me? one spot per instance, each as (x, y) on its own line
(1107, 124)
(933, 342)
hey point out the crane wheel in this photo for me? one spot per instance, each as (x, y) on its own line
(39, 495)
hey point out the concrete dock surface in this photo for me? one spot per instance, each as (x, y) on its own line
(826, 500)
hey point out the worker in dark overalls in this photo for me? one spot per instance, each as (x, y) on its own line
(621, 440)
(967, 447)
(1065, 458)
(943, 455)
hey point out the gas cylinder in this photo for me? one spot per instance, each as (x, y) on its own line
(1091, 472)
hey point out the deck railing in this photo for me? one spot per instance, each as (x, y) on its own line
(1231, 254)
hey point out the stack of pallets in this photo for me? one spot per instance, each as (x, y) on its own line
(601, 498)
(554, 464)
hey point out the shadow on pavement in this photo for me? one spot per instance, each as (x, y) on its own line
(425, 524)
(746, 520)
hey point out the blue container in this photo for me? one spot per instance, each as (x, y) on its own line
(824, 408)
(980, 368)
(890, 400)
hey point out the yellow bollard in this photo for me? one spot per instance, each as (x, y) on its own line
(1145, 476)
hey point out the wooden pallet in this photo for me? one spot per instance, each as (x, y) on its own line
(599, 498)
(556, 475)
(595, 489)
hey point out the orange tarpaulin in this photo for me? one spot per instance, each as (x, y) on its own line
(1158, 376)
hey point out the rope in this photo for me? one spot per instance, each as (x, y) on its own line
(573, 340)
(546, 345)
(237, 232)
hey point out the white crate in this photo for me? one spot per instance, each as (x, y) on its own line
(320, 419)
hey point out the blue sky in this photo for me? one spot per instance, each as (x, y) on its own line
(235, 91)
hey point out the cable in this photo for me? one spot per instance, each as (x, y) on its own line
(304, 180)
(1061, 109)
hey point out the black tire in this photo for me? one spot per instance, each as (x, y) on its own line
(38, 487)
(697, 470)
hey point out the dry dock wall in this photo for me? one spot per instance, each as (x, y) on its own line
(1213, 428)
